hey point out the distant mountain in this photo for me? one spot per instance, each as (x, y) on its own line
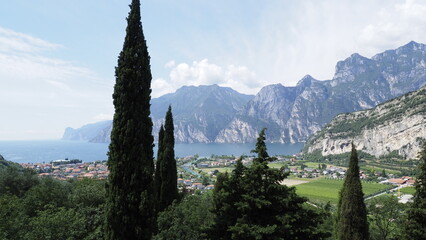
(291, 114)
(396, 126)
(199, 113)
(87, 132)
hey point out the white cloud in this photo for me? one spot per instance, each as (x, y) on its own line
(170, 64)
(289, 39)
(202, 72)
(48, 91)
(11, 41)
(395, 25)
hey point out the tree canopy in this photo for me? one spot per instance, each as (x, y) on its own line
(252, 203)
(415, 227)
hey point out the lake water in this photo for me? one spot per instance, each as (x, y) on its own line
(46, 151)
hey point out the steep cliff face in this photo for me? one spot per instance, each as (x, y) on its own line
(292, 114)
(398, 125)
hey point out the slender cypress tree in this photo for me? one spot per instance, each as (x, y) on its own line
(130, 197)
(352, 219)
(168, 170)
(416, 225)
(157, 183)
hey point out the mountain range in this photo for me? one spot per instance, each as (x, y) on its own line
(291, 114)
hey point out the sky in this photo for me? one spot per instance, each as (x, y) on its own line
(57, 57)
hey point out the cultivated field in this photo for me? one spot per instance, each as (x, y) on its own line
(327, 190)
(293, 182)
(408, 190)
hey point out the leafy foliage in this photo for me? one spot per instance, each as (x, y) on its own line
(416, 225)
(386, 218)
(4, 163)
(187, 219)
(51, 209)
(16, 181)
(253, 204)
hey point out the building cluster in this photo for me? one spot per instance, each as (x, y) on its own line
(193, 184)
(220, 162)
(405, 180)
(66, 171)
(63, 170)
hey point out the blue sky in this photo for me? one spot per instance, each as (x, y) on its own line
(57, 57)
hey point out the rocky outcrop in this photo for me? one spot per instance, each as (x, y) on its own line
(397, 126)
(87, 132)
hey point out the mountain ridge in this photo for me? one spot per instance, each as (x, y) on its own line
(291, 114)
(359, 83)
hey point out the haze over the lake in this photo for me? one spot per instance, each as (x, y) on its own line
(57, 58)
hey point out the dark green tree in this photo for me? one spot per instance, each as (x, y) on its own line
(253, 204)
(385, 215)
(168, 171)
(227, 192)
(187, 219)
(130, 187)
(415, 228)
(17, 180)
(352, 214)
(157, 177)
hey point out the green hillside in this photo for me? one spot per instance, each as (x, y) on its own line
(4, 163)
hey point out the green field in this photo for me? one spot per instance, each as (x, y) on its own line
(220, 169)
(408, 190)
(327, 190)
(276, 164)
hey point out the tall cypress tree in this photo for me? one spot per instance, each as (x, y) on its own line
(416, 225)
(168, 170)
(352, 214)
(130, 197)
(157, 177)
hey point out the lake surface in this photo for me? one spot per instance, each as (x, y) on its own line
(46, 151)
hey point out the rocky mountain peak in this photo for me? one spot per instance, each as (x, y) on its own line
(408, 51)
(412, 46)
(351, 66)
(268, 93)
(306, 81)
